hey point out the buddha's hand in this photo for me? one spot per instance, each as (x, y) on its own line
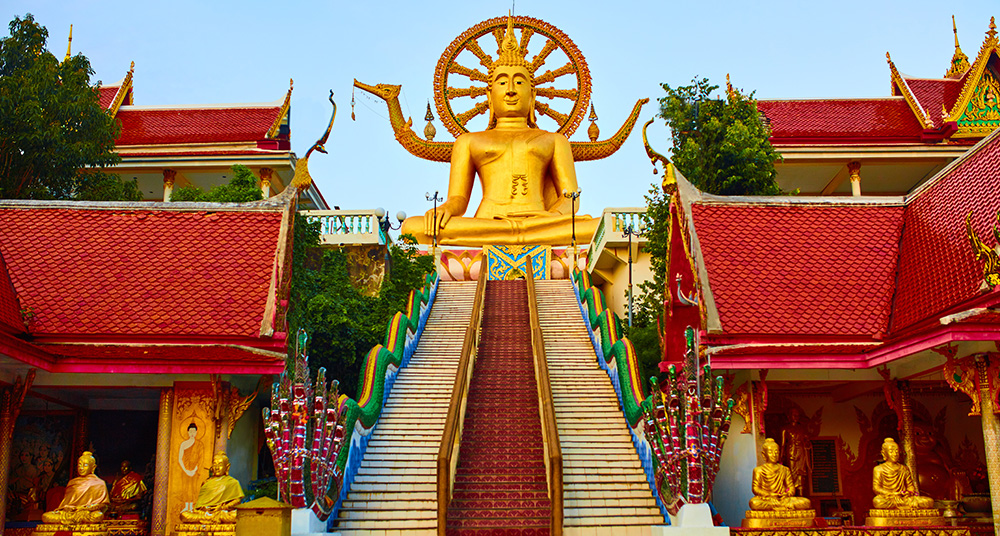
(442, 215)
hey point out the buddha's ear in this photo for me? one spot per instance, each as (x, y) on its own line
(532, 121)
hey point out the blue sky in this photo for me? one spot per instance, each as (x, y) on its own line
(197, 52)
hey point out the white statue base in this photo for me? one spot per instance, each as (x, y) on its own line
(692, 520)
(305, 523)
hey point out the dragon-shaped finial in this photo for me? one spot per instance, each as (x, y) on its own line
(669, 181)
(302, 178)
(991, 269)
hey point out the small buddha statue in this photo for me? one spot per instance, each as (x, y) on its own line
(524, 171)
(896, 501)
(86, 497)
(218, 496)
(774, 503)
(126, 490)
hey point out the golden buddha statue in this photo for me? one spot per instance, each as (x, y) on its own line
(524, 171)
(126, 490)
(218, 496)
(896, 501)
(84, 503)
(774, 503)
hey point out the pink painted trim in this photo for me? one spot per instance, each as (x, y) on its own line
(772, 358)
(26, 353)
(169, 368)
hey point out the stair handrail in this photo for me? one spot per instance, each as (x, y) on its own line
(451, 438)
(547, 413)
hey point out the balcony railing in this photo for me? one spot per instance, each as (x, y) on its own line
(344, 227)
(613, 221)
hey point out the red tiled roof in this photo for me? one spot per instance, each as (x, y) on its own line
(937, 266)
(850, 120)
(119, 271)
(107, 95)
(10, 308)
(194, 125)
(931, 94)
(800, 269)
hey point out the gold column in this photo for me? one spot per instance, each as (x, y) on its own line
(265, 181)
(906, 429)
(991, 435)
(11, 399)
(159, 524)
(854, 168)
(169, 176)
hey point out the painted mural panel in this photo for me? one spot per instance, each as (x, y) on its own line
(192, 439)
(40, 463)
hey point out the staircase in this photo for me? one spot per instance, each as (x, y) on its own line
(395, 488)
(603, 482)
(500, 482)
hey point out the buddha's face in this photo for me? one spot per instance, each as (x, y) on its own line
(890, 452)
(771, 451)
(220, 465)
(126, 467)
(85, 466)
(511, 94)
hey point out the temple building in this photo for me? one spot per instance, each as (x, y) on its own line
(170, 146)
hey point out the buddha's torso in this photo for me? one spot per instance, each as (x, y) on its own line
(512, 166)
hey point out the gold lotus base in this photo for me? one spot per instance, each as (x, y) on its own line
(757, 519)
(927, 517)
(199, 529)
(89, 529)
(127, 527)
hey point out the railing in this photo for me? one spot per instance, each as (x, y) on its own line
(347, 226)
(547, 412)
(613, 221)
(451, 438)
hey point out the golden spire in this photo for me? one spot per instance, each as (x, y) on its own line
(992, 34)
(730, 92)
(510, 53)
(69, 45)
(959, 61)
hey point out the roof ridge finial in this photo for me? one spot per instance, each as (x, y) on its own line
(730, 92)
(992, 33)
(69, 43)
(959, 61)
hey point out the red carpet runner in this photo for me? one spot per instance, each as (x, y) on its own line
(500, 485)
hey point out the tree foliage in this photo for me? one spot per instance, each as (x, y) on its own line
(55, 139)
(343, 323)
(721, 146)
(241, 188)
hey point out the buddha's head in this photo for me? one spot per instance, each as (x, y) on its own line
(125, 468)
(86, 464)
(220, 464)
(511, 82)
(890, 450)
(192, 430)
(771, 451)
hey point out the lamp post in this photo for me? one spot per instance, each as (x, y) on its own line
(572, 196)
(384, 226)
(436, 199)
(629, 231)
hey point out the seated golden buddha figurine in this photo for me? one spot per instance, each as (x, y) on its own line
(218, 496)
(126, 490)
(86, 497)
(774, 503)
(896, 501)
(523, 170)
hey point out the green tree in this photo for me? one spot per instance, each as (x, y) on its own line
(55, 139)
(343, 323)
(721, 146)
(241, 188)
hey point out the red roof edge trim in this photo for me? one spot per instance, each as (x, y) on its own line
(846, 140)
(280, 273)
(713, 339)
(770, 356)
(80, 340)
(219, 367)
(26, 353)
